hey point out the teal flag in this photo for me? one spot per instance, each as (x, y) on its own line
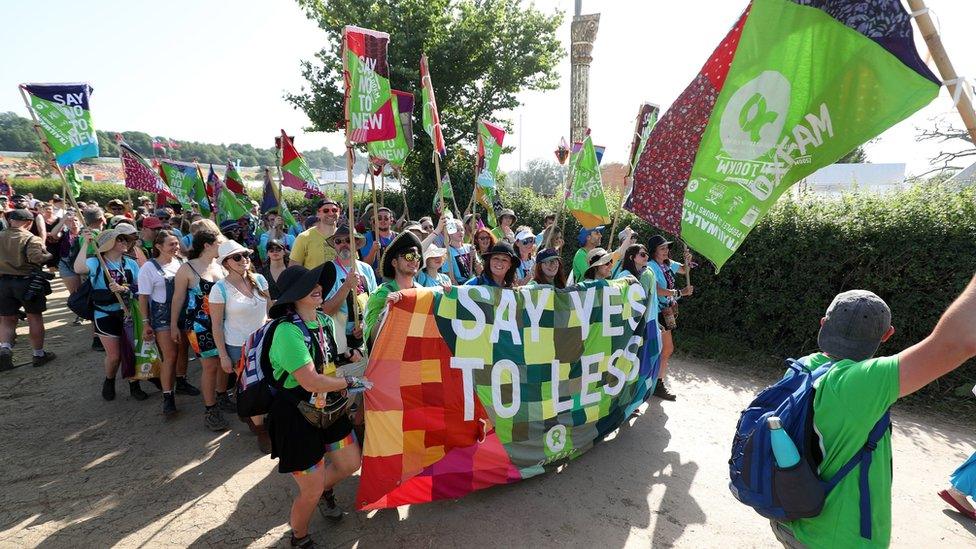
(64, 116)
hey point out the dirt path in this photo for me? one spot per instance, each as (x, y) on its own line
(80, 472)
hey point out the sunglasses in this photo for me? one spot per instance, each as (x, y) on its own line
(329, 210)
(239, 257)
(527, 241)
(410, 256)
(341, 240)
(275, 249)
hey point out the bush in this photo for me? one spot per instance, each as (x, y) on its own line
(44, 189)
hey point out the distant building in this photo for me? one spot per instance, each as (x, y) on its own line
(965, 177)
(837, 179)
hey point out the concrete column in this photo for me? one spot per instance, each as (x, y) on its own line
(583, 31)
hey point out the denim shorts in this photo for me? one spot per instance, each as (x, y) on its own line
(159, 315)
(234, 353)
(64, 268)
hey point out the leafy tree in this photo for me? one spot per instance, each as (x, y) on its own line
(482, 53)
(17, 134)
(542, 176)
(857, 156)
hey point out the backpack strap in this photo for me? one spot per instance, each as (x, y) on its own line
(863, 458)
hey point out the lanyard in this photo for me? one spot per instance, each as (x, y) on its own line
(359, 287)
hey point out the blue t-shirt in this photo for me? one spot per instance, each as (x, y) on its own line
(428, 281)
(662, 283)
(458, 262)
(384, 242)
(481, 280)
(369, 282)
(122, 272)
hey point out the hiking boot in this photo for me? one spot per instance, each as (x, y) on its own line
(6, 359)
(97, 345)
(226, 404)
(48, 356)
(214, 420)
(328, 507)
(264, 440)
(183, 387)
(108, 388)
(661, 391)
(302, 543)
(169, 404)
(136, 391)
(156, 382)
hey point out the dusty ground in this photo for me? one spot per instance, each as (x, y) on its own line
(76, 471)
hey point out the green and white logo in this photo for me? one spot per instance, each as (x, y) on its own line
(755, 115)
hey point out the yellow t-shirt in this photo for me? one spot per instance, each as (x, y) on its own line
(311, 250)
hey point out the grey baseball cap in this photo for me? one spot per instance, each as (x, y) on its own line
(855, 322)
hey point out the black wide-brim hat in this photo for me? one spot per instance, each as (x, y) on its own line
(294, 283)
(403, 241)
(503, 248)
(655, 241)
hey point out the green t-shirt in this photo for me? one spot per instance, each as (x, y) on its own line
(579, 265)
(850, 399)
(289, 353)
(375, 304)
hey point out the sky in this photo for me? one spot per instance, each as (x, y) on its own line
(217, 71)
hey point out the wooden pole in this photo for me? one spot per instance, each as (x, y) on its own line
(350, 158)
(403, 194)
(437, 174)
(559, 212)
(67, 192)
(955, 85)
(383, 188)
(372, 183)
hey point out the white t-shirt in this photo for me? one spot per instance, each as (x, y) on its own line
(242, 314)
(153, 284)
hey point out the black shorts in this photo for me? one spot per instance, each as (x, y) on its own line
(295, 442)
(110, 325)
(11, 297)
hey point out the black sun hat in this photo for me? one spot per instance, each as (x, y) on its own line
(403, 242)
(295, 282)
(503, 248)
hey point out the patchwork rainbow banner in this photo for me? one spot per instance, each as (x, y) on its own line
(482, 386)
(793, 87)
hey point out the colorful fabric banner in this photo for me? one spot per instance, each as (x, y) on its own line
(794, 86)
(586, 200)
(226, 202)
(139, 174)
(395, 151)
(183, 179)
(430, 117)
(233, 180)
(490, 139)
(646, 120)
(65, 118)
(368, 101)
(295, 171)
(74, 184)
(446, 191)
(487, 198)
(481, 386)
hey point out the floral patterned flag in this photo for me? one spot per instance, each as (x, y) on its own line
(794, 86)
(139, 174)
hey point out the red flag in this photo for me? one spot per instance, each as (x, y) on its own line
(139, 174)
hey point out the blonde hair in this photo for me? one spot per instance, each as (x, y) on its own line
(207, 225)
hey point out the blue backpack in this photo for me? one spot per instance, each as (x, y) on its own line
(796, 492)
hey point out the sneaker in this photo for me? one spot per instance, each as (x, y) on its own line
(108, 388)
(156, 383)
(302, 543)
(78, 321)
(48, 356)
(169, 404)
(661, 391)
(6, 359)
(183, 387)
(328, 507)
(136, 391)
(214, 420)
(226, 404)
(97, 345)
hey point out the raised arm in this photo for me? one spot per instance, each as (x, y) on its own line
(952, 342)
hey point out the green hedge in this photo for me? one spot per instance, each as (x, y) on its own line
(914, 248)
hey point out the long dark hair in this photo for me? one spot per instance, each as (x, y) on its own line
(509, 275)
(558, 281)
(628, 263)
(200, 239)
(161, 237)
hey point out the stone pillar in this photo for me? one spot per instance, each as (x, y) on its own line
(583, 31)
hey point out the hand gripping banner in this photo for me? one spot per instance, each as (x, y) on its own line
(482, 386)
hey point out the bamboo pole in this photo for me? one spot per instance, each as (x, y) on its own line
(559, 212)
(954, 84)
(350, 158)
(403, 194)
(383, 188)
(68, 194)
(376, 221)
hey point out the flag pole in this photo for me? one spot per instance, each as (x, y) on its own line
(955, 85)
(562, 206)
(67, 192)
(437, 173)
(350, 158)
(372, 183)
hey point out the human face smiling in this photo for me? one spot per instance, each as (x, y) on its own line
(312, 300)
(550, 268)
(329, 214)
(499, 265)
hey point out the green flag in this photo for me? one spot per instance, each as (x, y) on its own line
(74, 185)
(64, 116)
(490, 139)
(793, 87)
(228, 203)
(446, 191)
(370, 115)
(395, 150)
(183, 180)
(586, 200)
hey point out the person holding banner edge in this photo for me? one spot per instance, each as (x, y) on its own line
(667, 299)
(399, 267)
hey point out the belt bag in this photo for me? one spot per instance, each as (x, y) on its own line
(336, 406)
(670, 316)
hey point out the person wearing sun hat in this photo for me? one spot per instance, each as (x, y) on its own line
(501, 263)
(347, 291)
(431, 276)
(117, 278)
(303, 359)
(548, 269)
(400, 263)
(600, 264)
(504, 232)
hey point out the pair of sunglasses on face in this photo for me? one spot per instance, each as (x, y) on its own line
(410, 256)
(275, 249)
(239, 257)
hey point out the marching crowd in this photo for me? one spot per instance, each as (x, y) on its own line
(204, 289)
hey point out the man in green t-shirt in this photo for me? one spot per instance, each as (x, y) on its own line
(852, 397)
(401, 261)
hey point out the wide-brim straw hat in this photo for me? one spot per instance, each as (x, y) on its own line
(595, 258)
(106, 240)
(343, 230)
